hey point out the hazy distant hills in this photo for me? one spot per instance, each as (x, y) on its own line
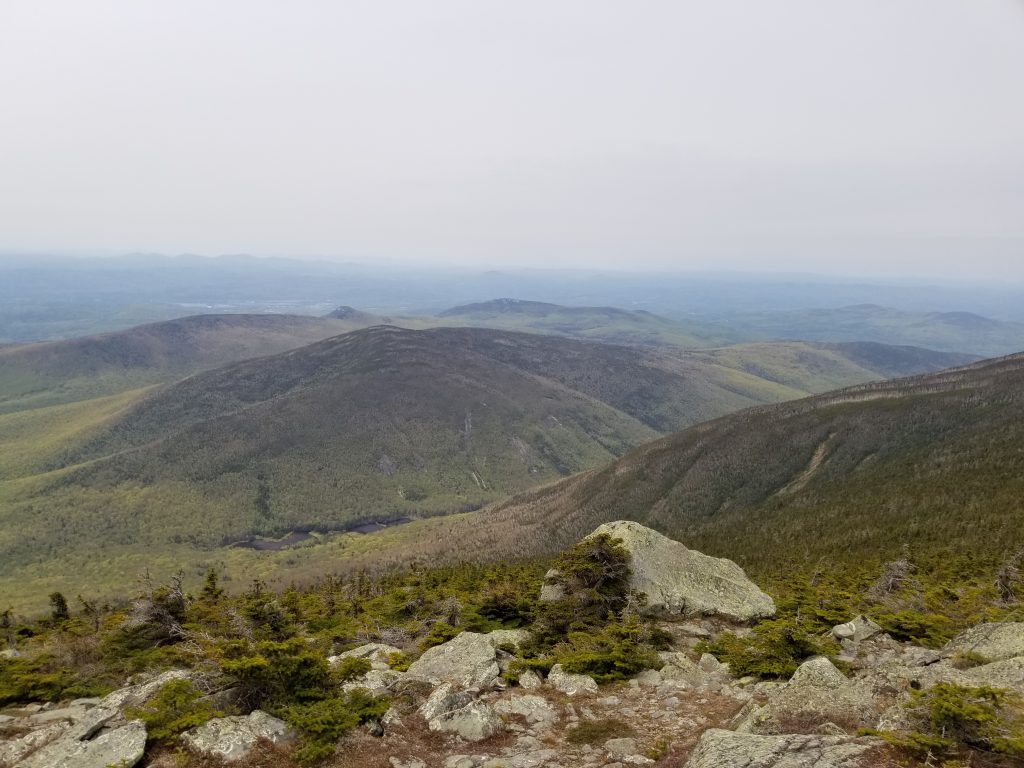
(610, 324)
(369, 425)
(948, 331)
(854, 475)
(46, 373)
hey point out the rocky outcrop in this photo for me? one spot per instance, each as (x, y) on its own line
(469, 660)
(996, 641)
(119, 747)
(570, 684)
(233, 738)
(727, 749)
(818, 698)
(88, 733)
(681, 582)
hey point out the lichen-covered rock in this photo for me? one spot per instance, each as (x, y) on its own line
(856, 630)
(474, 722)
(679, 666)
(118, 748)
(727, 749)
(682, 582)
(551, 590)
(996, 641)
(233, 738)
(508, 637)
(570, 684)
(445, 698)
(534, 709)
(816, 695)
(13, 750)
(530, 680)
(468, 660)
(820, 673)
(451, 710)
(376, 681)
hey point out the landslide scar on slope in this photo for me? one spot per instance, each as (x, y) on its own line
(817, 459)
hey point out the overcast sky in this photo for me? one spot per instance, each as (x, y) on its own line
(854, 136)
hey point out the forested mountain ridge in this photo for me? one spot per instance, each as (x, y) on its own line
(48, 373)
(853, 475)
(370, 425)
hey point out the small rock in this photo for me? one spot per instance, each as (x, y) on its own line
(534, 708)
(530, 680)
(570, 684)
(620, 748)
(857, 630)
(649, 677)
(376, 653)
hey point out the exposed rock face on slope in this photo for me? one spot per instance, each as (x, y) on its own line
(995, 641)
(680, 582)
(91, 733)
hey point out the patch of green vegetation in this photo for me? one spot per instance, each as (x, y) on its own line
(174, 709)
(956, 722)
(599, 731)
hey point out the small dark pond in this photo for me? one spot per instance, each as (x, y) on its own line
(305, 534)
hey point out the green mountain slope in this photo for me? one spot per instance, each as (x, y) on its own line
(933, 463)
(370, 425)
(47, 373)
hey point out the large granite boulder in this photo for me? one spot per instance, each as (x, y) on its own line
(727, 749)
(233, 738)
(681, 582)
(469, 660)
(997, 641)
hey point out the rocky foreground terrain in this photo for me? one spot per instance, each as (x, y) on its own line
(456, 707)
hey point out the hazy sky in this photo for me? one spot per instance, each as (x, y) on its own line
(855, 135)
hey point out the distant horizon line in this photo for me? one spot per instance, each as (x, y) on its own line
(14, 254)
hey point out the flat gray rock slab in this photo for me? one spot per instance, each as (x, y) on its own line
(727, 749)
(118, 748)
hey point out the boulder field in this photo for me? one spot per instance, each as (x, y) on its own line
(456, 706)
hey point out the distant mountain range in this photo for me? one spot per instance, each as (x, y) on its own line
(948, 331)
